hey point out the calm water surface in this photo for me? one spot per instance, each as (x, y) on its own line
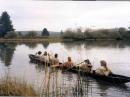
(14, 60)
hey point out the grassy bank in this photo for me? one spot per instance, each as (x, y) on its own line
(49, 39)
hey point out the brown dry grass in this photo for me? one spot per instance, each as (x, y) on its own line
(13, 87)
(49, 39)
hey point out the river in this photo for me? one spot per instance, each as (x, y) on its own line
(14, 61)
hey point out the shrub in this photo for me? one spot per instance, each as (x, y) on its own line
(11, 34)
(31, 34)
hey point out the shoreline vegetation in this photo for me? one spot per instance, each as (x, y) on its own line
(28, 40)
(50, 40)
(11, 86)
(68, 35)
(53, 40)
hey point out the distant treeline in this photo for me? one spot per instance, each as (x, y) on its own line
(78, 34)
(28, 34)
(88, 34)
(7, 31)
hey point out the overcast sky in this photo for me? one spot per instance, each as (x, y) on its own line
(60, 15)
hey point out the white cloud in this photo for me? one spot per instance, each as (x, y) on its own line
(57, 15)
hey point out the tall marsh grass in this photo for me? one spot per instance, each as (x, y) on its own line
(10, 86)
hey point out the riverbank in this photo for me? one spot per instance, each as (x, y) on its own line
(27, 40)
(49, 39)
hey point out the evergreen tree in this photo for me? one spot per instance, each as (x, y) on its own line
(61, 32)
(45, 32)
(5, 24)
(1, 28)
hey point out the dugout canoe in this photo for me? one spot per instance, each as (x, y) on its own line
(112, 78)
(36, 59)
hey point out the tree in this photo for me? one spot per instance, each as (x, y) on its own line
(61, 32)
(69, 34)
(6, 24)
(122, 30)
(1, 28)
(20, 34)
(45, 32)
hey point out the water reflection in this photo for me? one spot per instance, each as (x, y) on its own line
(45, 44)
(6, 52)
(108, 44)
(71, 45)
(81, 88)
(51, 85)
(99, 43)
(39, 67)
(34, 45)
(31, 45)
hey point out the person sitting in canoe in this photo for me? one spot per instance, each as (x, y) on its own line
(38, 54)
(103, 70)
(68, 64)
(86, 66)
(54, 60)
(45, 57)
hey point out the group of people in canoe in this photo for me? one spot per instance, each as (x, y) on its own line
(47, 58)
(85, 66)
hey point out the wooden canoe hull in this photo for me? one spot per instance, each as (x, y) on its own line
(113, 78)
(36, 59)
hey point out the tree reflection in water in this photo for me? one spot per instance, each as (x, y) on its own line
(83, 87)
(31, 45)
(98, 43)
(7, 52)
(39, 67)
(71, 45)
(45, 44)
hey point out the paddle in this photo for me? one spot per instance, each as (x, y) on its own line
(80, 63)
